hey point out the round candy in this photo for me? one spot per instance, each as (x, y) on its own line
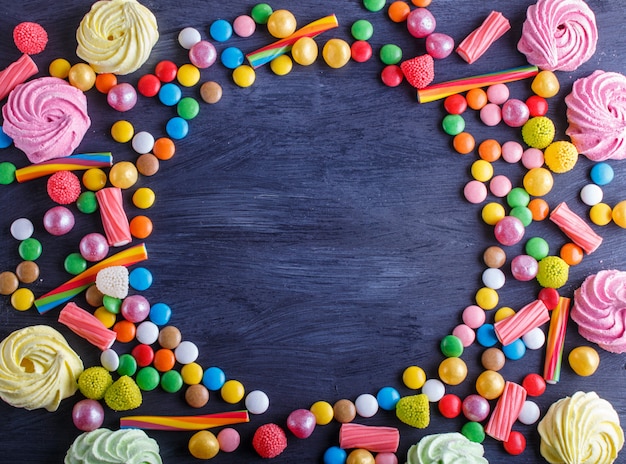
(203, 54)
(534, 384)
(532, 158)
(490, 385)
(7, 172)
(60, 68)
(171, 381)
(366, 405)
(188, 75)
(537, 247)
(482, 170)
(94, 179)
(344, 411)
(515, 113)
(221, 30)
(211, 92)
(390, 54)
(229, 439)
(475, 192)
(82, 76)
(336, 53)
(476, 408)
(524, 268)
(261, 12)
(387, 398)
(27, 272)
(93, 247)
(534, 339)
(135, 308)
(473, 431)
(362, 29)
(128, 365)
(512, 151)
(177, 128)
(122, 97)
(244, 76)
(465, 334)
(143, 197)
(87, 415)
(301, 423)
(148, 378)
(489, 149)
(619, 214)
(452, 371)
(109, 360)
(374, 5)
(516, 443)
(281, 65)
(386, 458)
(514, 350)
(147, 164)
(602, 173)
(140, 278)
(213, 378)
(244, 26)
(188, 37)
(537, 106)
(192, 374)
(170, 94)
(476, 98)
(140, 227)
(257, 402)
(105, 82)
(122, 131)
(500, 186)
(538, 182)
(449, 406)
(335, 455)
(87, 202)
(463, 143)
(439, 45)
(451, 346)
(232, 57)
(591, 194)
(58, 220)
(304, 51)
(392, 75)
(571, 253)
(421, 23)
(22, 299)
(160, 313)
(360, 51)
(107, 318)
(63, 187)
(509, 231)
(186, 352)
(147, 333)
(530, 413)
(414, 377)
(473, 316)
(434, 389)
(491, 114)
(398, 11)
(493, 359)
(584, 360)
(8, 282)
(455, 104)
(148, 85)
(111, 304)
(203, 445)
(281, 24)
(170, 337)
(323, 411)
(486, 335)
(494, 256)
(503, 313)
(74, 263)
(493, 278)
(143, 354)
(360, 456)
(545, 84)
(123, 174)
(492, 213)
(232, 391)
(453, 124)
(486, 298)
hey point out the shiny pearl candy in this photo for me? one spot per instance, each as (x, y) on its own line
(493, 278)
(87, 415)
(82, 76)
(524, 268)
(490, 385)
(509, 231)
(304, 51)
(257, 402)
(58, 220)
(515, 113)
(122, 97)
(301, 423)
(366, 405)
(434, 389)
(421, 23)
(93, 247)
(439, 45)
(281, 24)
(135, 308)
(584, 360)
(202, 54)
(534, 339)
(476, 408)
(530, 413)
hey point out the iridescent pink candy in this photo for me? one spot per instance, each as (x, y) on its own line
(439, 45)
(509, 230)
(476, 408)
(524, 268)
(93, 247)
(58, 220)
(122, 97)
(515, 113)
(421, 23)
(135, 308)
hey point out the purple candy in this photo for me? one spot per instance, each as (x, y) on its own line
(524, 268)
(203, 54)
(122, 97)
(515, 113)
(476, 408)
(135, 308)
(301, 423)
(420, 23)
(87, 415)
(439, 45)
(93, 247)
(58, 220)
(509, 230)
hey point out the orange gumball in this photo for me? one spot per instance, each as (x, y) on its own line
(490, 150)
(421, 3)
(539, 209)
(476, 98)
(571, 253)
(464, 143)
(164, 360)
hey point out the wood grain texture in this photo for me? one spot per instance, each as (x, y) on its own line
(310, 233)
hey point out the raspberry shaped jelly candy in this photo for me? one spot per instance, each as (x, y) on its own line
(419, 71)
(269, 440)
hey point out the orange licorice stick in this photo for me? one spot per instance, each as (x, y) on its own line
(372, 438)
(77, 162)
(575, 228)
(526, 319)
(182, 423)
(87, 326)
(506, 411)
(16, 73)
(556, 341)
(114, 219)
(77, 284)
(269, 52)
(445, 89)
(477, 43)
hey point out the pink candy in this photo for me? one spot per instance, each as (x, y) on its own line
(421, 23)
(135, 308)
(515, 113)
(203, 54)
(93, 247)
(122, 97)
(58, 220)
(509, 230)
(301, 423)
(439, 45)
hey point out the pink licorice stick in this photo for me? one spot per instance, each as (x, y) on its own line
(114, 219)
(506, 411)
(87, 326)
(556, 341)
(372, 438)
(477, 43)
(526, 319)
(16, 73)
(182, 423)
(575, 228)
(445, 89)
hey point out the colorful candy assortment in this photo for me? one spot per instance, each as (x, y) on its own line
(144, 369)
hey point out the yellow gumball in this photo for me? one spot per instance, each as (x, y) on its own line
(122, 131)
(538, 182)
(59, 68)
(545, 84)
(481, 170)
(414, 377)
(360, 456)
(281, 24)
(490, 384)
(281, 65)
(82, 76)
(601, 214)
(192, 373)
(244, 76)
(487, 298)
(323, 412)
(452, 371)
(584, 360)
(304, 51)
(123, 174)
(188, 75)
(492, 213)
(336, 53)
(203, 445)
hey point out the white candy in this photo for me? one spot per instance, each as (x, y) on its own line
(22, 228)
(147, 333)
(434, 389)
(188, 37)
(186, 352)
(493, 278)
(591, 194)
(110, 360)
(143, 142)
(534, 339)
(530, 413)
(257, 402)
(366, 405)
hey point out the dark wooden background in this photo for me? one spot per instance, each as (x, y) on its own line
(310, 233)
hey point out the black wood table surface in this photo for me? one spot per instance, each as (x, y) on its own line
(310, 233)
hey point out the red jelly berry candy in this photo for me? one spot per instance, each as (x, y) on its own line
(534, 384)
(516, 444)
(419, 71)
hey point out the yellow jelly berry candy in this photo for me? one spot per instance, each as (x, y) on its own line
(538, 182)
(304, 51)
(336, 53)
(122, 131)
(414, 377)
(323, 412)
(281, 65)
(487, 298)
(232, 391)
(553, 272)
(244, 76)
(584, 360)
(619, 214)
(59, 68)
(560, 156)
(600, 214)
(482, 170)
(545, 84)
(492, 213)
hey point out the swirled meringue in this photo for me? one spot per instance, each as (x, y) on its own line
(38, 368)
(116, 36)
(124, 446)
(581, 429)
(46, 118)
(596, 114)
(559, 35)
(446, 448)
(600, 310)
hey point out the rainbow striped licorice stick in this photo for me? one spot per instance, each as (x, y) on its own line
(269, 52)
(82, 161)
(77, 284)
(182, 423)
(556, 341)
(445, 89)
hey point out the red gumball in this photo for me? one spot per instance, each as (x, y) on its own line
(534, 384)
(550, 297)
(450, 406)
(516, 444)
(538, 106)
(455, 104)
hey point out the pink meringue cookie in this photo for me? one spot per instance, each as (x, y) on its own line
(559, 35)
(600, 310)
(46, 118)
(596, 112)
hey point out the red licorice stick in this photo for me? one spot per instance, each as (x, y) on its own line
(16, 73)
(526, 319)
(114, 219)
(372, 438)
(87, 326)
(506, 411)
(575, 228)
